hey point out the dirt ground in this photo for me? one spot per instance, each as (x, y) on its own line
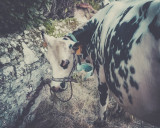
(80, 112)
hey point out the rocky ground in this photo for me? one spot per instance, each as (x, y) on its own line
(80, 112)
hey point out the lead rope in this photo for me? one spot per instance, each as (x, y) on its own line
(52, 92)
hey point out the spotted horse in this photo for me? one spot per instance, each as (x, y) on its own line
(123, 43)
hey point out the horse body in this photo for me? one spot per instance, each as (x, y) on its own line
(123, 42)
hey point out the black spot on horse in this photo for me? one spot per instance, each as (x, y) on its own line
(123, 73)
(145, 8)
(133, 83)
(130, 99)
(103, 93)
(84, 34)
(121, 42)
(139, 39)
(154, 28)
(125, 85)
(132, 70)
(112, 86)
(114, 76)
(125, 13)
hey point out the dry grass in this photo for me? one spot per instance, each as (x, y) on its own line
(80, 112)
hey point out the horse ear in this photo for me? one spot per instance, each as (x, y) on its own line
(47, 40)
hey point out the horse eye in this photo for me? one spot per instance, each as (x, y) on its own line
(65, 38)
(64, 64)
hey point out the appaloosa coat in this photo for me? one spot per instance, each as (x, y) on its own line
(123, 41)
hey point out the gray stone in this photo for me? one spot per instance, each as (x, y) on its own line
(42, 28)
(0, 123)
(26, 32)
(37, 39)
(20, 75)
(5, 59)
(19, 37)
(5, 50)
(7, 71)
(26, 40)
(29, 56)
(26, 36)
(13, 43)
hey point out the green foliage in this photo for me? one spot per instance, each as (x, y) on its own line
(57, 28)
(50, 26)
(94, 3)
(21, 14)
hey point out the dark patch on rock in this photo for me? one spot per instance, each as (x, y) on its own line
(19, 48)
(2, 44)
(1, 65)
(26, 110)
(15, 71)
(10, 50)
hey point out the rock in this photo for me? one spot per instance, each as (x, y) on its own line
(19, 37)
(26, 40)
(5, 59)
(26, 36)
(37, 39)
(26, 32)
(6, 50)
(8, 71)
(42, 28)
(21, 73)
(13, 43)
(29, 56)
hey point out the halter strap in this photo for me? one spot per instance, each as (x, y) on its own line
(72, 37)
(67, 79)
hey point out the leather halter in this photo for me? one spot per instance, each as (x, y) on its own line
(69, 78)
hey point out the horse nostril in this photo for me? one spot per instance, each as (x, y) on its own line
(62, 84)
